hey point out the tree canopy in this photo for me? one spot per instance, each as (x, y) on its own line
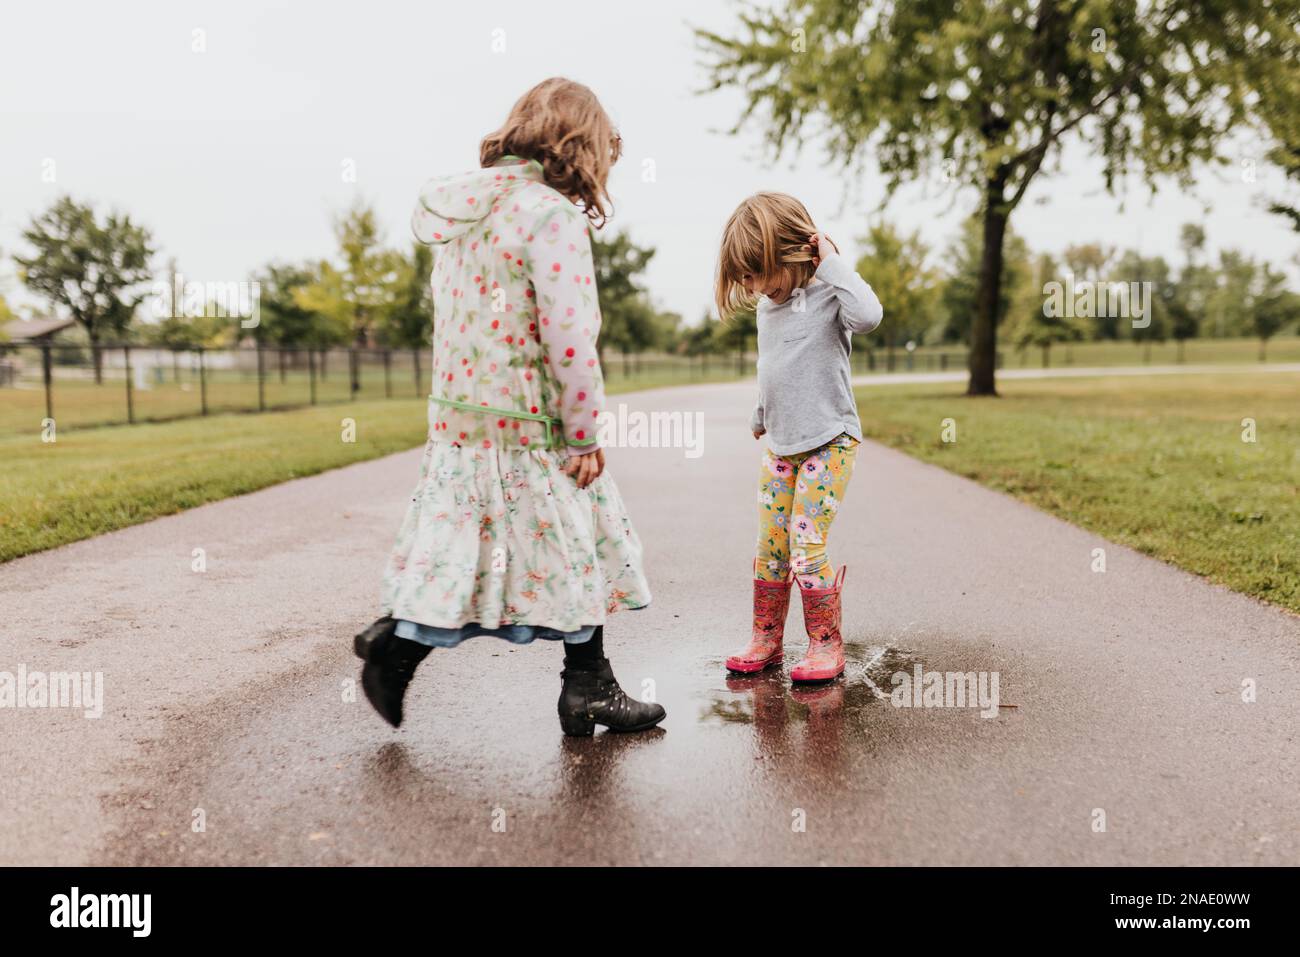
(984, 94)
(98, 271)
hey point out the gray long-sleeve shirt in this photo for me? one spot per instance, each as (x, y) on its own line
(805, 398)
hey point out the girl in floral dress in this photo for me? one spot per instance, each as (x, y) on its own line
(514, 529)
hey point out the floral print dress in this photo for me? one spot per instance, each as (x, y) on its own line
(497, 538)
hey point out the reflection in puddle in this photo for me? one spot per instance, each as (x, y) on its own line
(755, 699)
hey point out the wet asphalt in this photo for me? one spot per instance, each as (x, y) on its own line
(233, 731)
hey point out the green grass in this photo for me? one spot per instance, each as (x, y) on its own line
(95, 480)
(1156, 464)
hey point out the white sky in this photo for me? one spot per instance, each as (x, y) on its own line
(234, 156)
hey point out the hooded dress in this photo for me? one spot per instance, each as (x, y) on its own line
(497, 538)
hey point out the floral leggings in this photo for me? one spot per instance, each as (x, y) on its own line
(798, 496)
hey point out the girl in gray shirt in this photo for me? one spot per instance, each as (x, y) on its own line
(809, 301)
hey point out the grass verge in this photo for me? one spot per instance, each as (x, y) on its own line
(1157, 464)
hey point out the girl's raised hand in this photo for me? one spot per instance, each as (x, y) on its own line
(821, 246)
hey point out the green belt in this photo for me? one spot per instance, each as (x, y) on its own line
(554, 427)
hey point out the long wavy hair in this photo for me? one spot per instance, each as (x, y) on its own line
(767, 233)
(561, 125)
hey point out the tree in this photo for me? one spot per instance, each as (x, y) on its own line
(989, 92)
(284, 321)
(1032, 323)
(1154, 272)
(1284, 122)
(700, 339)
(96, 271)
(1273, 308)
(960, 296)
(629, 321)
(1233, 293)
(1188, 300)
(737, 332)
(362, 290)
(410, 324)
(6, 316)
(895, 265)
(1087, 263)
(1288, 157)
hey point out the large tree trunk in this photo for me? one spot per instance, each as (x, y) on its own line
(984, 328)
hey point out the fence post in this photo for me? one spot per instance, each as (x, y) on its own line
(261, 380)
(388, 373)
(203, 381)
(311, 372)
(353, 370)
(47, 372)
(130, 394)
(415, 355)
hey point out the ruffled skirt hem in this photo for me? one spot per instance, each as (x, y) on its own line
(503, 538)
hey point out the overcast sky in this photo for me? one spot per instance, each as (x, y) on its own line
(235, 156)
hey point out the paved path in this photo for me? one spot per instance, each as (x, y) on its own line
(227, 691)
(1076, 372)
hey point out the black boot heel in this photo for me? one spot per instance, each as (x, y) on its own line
(591, 695)
(577, 726)
(375, 639)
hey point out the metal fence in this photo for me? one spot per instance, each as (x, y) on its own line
(78, 386)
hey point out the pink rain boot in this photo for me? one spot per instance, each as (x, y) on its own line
(771, 602)
(821, 619)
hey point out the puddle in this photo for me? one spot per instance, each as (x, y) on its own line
(772, 696)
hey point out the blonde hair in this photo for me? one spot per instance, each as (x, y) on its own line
(561, 125)
(767, 233)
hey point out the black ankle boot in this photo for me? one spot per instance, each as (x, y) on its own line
(590, 696)
(390, 664)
